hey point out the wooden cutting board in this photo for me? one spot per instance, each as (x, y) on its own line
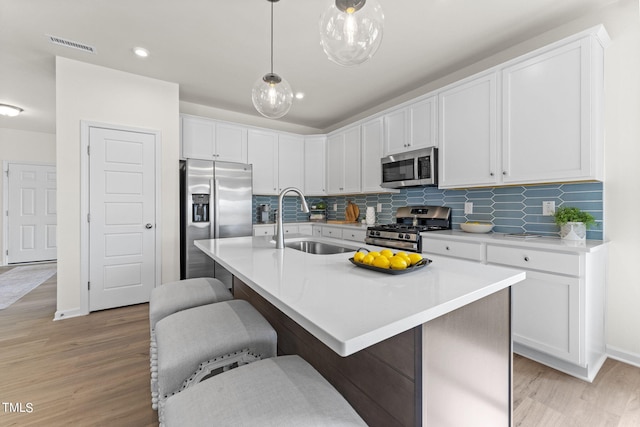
(352, 212)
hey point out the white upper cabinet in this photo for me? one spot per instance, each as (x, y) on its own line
(411, 127)
(372, 141)
(212, 140)
(550, 124)
(263, 155)
(277, 159)
(343, 162)
(468, 133)
(550, 118)
(315, 151)
(231, 143)
(290, 162)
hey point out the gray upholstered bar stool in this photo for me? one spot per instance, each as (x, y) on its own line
(176, 296)
(196, 343)
(283, 391)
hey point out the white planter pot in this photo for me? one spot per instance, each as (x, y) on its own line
(573, 231)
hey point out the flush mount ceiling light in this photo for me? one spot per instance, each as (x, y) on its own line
(141, 52)
(351, 30)
(10, 110)
(272, 95)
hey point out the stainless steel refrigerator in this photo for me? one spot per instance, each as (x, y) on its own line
(215, 203)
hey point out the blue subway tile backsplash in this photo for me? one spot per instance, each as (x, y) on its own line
(515, 209)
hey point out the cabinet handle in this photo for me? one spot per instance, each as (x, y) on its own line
(490, 173)
(504, 172)
(446, 247)
(526, 259)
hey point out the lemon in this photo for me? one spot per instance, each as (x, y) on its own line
(359, 256)
(381, 262)
(374, 254)
(415, 258)
(368, 259)
(405, 256)
(386, 253)
(398, 263)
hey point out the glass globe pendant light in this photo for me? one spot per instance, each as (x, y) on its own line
(272, 95)
(351, 30)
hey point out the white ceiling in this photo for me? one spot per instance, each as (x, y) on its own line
(215, 50)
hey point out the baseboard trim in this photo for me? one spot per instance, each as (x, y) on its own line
(587, 373)
(623, 356)
(67, 314)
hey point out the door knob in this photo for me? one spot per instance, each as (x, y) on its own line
(148, 226)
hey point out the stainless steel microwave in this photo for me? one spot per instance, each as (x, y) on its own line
(411, 168)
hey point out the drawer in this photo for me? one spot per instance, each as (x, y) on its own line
(472, 251)
(334, 232)
(355, 235)
(552, 262)
(305, 229)
(264, 230)
(290, 229)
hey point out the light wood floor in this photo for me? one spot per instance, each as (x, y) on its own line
(94, 371)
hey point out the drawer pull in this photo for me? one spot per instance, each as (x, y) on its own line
(447, 247)
(526, 259)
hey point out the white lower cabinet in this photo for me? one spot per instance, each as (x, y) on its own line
(558, 310)
(270, 229)
(354, 235)
(335, 232)
(472, 251)
(264, 229)
(305, 229)
(546, 315)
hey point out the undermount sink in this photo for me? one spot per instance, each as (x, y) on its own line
(317, 248)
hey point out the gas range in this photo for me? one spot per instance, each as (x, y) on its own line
(410, 222)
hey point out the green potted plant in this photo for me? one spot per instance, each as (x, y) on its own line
(573, 222)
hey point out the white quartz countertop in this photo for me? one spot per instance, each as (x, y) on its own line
(346, 307)
(540, 242)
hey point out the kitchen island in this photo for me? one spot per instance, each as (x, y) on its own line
(432, 346)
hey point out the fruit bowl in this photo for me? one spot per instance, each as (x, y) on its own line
(387, 269)
(422, 263)
(476, 227)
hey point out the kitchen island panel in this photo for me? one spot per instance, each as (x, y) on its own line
(379, 381)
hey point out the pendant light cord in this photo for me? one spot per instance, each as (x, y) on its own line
(271, 36)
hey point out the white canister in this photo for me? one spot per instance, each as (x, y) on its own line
(371, 215)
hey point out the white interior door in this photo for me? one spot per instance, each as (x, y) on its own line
(122, 191)
(31, 215)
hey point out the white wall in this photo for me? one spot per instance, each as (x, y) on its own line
(97, 94)
(622, 182)
(21, 146)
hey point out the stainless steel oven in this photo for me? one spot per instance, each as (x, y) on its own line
(410, 222)
(411, 168)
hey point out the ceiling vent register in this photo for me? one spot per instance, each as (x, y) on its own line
(69, 43)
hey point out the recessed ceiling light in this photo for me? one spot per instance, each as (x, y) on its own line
(141, 52)
(10, 110)
(299, 95)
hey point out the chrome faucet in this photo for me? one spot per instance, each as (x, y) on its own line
(279, 228)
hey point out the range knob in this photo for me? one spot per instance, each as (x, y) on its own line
(408, 237)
